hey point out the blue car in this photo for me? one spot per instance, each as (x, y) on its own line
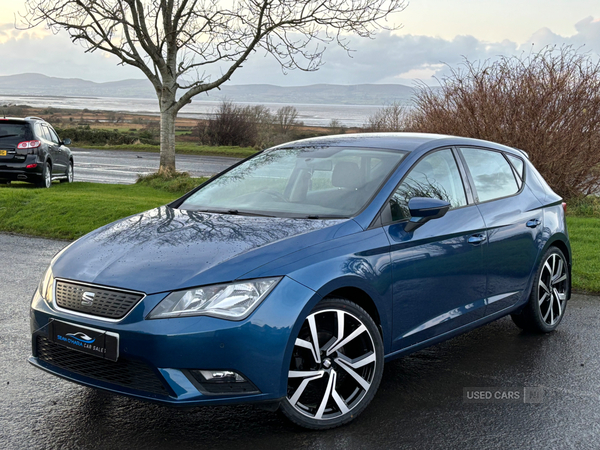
(289, 279)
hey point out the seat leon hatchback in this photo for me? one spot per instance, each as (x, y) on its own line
(289, 279)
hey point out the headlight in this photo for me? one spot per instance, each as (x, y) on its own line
(46, 286)
(233, 301)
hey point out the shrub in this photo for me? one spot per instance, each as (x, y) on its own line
(176, 182)
(95, 137)
(230, 126)
(546, 103)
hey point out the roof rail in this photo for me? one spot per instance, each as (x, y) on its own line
(33, 118)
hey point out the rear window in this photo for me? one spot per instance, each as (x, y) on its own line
(11, 132)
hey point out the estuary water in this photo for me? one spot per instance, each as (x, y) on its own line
(309, 114)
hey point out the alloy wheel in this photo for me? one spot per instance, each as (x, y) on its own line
(552, 289)
(47, 176)
(334, 365)
(69, 174)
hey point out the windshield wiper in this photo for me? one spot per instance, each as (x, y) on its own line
(237, 212)
(233, 212)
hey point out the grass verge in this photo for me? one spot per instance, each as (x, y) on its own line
(585, 243)
(68, 211)
(181, 148)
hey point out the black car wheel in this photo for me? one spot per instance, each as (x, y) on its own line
(69, 174)
(46, 180)
(548, 298)
(336, 366)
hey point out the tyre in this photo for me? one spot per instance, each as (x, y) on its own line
(548, 299)
(69, 173)
(336, 366)
(46, 180)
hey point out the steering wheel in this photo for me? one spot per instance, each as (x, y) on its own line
(275, 194)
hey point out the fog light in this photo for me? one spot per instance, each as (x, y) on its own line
(221, 382)
(221, 376)
(31, 166)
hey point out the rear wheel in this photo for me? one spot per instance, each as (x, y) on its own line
(46, 180)
(69, 173)
(548, 299)
(336, 366)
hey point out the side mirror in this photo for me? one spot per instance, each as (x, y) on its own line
(424, 209)
(66, 141)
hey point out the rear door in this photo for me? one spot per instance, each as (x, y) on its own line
(513, 219)
(52, 141)
(439, 279)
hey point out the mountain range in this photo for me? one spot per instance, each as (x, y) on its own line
(35, 84)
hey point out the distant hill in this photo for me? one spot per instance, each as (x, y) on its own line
(360, 94)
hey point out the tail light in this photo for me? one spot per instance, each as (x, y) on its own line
(564, 205)
(29, 144)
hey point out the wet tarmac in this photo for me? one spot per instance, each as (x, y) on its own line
(421, 402)
(123, 167)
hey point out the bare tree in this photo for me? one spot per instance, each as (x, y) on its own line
(175, 42)
(286, 118)
(389, 118)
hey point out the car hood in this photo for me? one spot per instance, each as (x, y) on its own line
(167, 249)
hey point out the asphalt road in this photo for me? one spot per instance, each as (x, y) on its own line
(123, 167)
(420, 401)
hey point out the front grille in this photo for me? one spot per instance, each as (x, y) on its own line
(124, 372)
(108, 303)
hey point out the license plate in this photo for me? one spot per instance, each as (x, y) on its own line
(92, 341)
(2, 152)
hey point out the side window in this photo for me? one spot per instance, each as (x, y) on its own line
(53, 136)
(492, 175)
(435, 176)
(43, 132)
(519, 167)
(39, 133)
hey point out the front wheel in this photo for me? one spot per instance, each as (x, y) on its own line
(548, 299)
(336, 366)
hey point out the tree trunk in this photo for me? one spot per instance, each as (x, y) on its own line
(167, 137)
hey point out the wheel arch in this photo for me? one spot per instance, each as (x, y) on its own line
(362, 299)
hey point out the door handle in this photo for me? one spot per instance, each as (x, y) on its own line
(533, 223)
(476, 239)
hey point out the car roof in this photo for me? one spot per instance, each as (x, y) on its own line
(407, 142)
(22, 119)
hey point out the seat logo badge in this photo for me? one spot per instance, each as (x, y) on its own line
(87, 299)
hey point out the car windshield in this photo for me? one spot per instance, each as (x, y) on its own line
(14, 132)
(321, 182)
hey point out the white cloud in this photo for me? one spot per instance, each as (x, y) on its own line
(389, 58)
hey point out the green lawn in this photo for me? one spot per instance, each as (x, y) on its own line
(68, 211)
(585, 243)
(181, 148)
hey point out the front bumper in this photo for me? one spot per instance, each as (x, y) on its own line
(156, 356)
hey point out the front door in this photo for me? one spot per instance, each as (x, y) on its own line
(439, 277)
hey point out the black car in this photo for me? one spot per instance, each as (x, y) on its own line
(30, 150)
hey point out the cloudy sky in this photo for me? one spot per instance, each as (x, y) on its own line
(433, 33)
